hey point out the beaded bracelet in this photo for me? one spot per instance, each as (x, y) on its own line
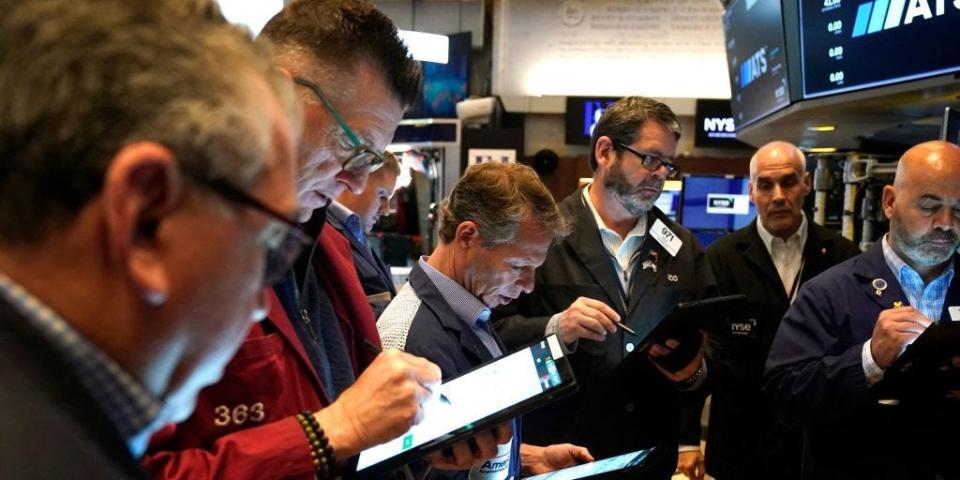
(321, 451)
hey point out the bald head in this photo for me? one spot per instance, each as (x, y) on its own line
(923, 206)
(779, 152)
(778, 184)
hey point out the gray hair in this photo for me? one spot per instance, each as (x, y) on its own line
(83, 79)
(498, 197)
(781, 146)
(623, 120)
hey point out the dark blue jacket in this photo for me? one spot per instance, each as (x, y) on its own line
(814, 378)
(419, 321)
(374, 274)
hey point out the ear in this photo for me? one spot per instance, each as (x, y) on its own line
(807, 183)
(751, 192)
(286, 73)
(141, 187)
(888, 199)
(605, 152)
(467, 236)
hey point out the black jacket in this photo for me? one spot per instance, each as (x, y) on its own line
(374, 274)
(50, 427)
(624, 403)
(744, 440)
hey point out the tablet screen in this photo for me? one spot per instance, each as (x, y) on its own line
(612, 464)
(489, 394)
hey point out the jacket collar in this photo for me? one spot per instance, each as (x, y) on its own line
(871, 266)
(433, 299)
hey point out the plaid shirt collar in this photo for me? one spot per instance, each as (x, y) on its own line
(122, 399)
(929, 298)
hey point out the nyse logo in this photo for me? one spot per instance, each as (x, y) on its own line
(718, 124)
(887, 14)
(754, 67)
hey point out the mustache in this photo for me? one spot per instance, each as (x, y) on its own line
(943, 236)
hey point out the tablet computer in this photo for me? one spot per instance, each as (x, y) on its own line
(923, 368)
(485, 396)
(632, 462)
(684, 324)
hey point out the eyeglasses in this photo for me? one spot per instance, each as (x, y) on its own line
(363, 156)
(284, 238)
(652, 162)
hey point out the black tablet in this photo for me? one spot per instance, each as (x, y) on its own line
(478, 399)
(632, 462)
(923, 368)
(684, 324)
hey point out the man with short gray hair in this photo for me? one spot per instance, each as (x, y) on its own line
(768, 261)
(144, 199)
(495, 228)
(625, 263)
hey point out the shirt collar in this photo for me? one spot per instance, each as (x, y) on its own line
(122, 399)
(798, 238)
(639, 230)
(466, 305)
(349, 219)
(901, 268)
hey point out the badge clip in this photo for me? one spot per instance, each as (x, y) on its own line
(880, 285)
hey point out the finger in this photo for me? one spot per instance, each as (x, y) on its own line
(591, 324)
(582, 332)
(424, 371)
(658, 350)
(486, 444)
(462, 455)
(503, 432)
(602, 308)
(581, 454)
(672, 343)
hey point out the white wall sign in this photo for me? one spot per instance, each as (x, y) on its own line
(657, 48)
(487, 155)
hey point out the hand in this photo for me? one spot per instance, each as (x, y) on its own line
(895, 329)
(587, 318)
(690, 463)
(381, 405)
(664, 349)
(479, 448)
(536, 460)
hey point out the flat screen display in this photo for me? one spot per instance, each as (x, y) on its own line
(851, 45)
(756, 59)
(619, 463)
(716, 203)
(582, 115)
(716, 127)
(444, 84)
(490, 394)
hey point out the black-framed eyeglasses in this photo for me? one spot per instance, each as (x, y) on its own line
(363, 156)
(283, 238)
(652, 162)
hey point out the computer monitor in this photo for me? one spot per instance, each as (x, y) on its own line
(950, 131)
(715, 205)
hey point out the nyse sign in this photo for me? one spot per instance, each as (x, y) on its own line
(719, 127)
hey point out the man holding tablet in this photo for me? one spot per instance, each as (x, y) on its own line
(495, 229)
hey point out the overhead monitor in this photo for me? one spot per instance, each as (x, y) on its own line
(715, 203)
(582, 115)
(852, 45)
(756, 59)
(950, 131)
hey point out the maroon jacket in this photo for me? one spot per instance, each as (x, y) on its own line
(243, 426)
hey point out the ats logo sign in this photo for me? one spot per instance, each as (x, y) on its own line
(888, 14)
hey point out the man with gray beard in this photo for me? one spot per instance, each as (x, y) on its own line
(625, 263)
(850, 324)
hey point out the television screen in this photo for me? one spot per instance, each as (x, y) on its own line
(854, 45)
(716, 127)
(445, 84)
(756, 59)
(950, 131)
(716, 203)
(582, 116)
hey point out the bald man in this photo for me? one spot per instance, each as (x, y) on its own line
(848, 325)
(767, 260)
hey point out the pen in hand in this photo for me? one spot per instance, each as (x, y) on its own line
(374, 350)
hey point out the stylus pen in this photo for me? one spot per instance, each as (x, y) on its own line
(625, 327)
(375, 350)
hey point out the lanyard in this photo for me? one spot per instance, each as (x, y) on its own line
(796, 281)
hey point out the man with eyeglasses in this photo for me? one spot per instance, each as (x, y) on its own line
(135, 225)
(308, 389)
(625, 263)
(354, 216)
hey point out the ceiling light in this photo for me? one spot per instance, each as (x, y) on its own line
(822, 128)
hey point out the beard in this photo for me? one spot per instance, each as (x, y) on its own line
(921, 250)
(632, 198)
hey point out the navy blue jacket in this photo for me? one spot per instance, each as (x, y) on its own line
(374, 274)
(419, 321)
(814, 378)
